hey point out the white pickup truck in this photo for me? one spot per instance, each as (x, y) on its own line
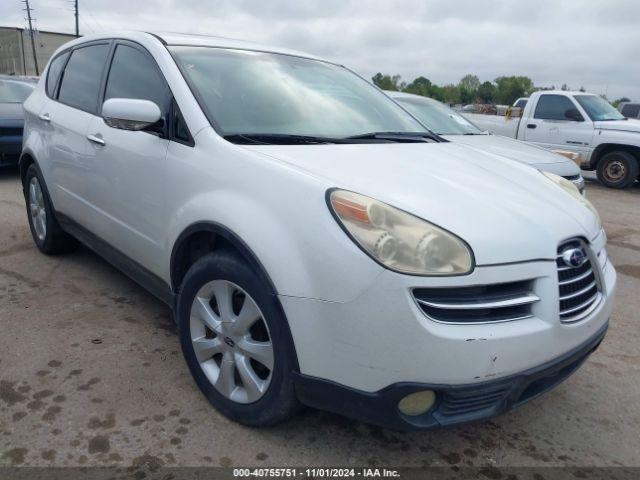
(579, 122)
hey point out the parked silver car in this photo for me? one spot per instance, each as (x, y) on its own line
(449, 124)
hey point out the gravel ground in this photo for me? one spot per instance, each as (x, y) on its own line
(91, 374)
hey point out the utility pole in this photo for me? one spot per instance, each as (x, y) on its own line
(33, 44)
(77, 25)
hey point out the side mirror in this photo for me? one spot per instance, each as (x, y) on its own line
(573, 114)
(130, 114)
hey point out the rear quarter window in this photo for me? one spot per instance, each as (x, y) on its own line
(53, 74)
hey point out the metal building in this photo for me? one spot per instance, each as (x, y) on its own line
(16, 54)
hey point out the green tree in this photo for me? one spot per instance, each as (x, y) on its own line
(420, 86)
(486, 91)
(509, 89)
(451, 94)
(617, 102)
(469, 82)
(437, 92)
(387, 82)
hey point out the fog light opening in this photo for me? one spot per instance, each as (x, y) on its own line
(417, 403)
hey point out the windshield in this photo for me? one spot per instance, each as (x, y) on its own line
(14, 92)
(248, 92)
(598, 108)
(437, 117)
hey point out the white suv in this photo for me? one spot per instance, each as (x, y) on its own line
(317, 245)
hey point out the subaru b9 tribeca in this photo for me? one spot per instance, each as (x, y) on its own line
(318, 246)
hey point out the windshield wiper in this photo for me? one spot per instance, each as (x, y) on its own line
(397, 137)
(289, 139)
(276, 138)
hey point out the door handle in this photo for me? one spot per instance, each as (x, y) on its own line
(531, 125)
(96, 139)
(44, 117)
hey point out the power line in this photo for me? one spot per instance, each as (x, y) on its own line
(33, 44)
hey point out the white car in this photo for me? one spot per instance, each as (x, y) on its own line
(316, 243)
(583, 123)
(449, 124)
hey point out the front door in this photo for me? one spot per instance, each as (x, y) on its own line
(128, 167)
(550, 127)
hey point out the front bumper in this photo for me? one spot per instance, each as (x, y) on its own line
(455, 404)
(382, 341)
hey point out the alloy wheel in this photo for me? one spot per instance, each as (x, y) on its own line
(37, 209)
(231, 341)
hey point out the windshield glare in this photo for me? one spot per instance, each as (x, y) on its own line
(14, 92)
(248, 92)
(438, 117)
(598, 108)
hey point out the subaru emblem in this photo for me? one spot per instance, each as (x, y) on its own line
(573, 257)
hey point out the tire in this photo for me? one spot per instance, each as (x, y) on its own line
(618, 169)
(45, 230)
(215, 276)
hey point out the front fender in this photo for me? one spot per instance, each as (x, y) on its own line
(303, 258)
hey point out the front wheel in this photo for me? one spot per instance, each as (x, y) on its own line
(618, 169)
(236, 341)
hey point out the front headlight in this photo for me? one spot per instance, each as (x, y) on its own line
(397, 239)
(571, 189)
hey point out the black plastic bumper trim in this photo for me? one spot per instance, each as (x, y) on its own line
(491, 397)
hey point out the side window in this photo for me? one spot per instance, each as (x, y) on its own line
(55, 69)
(133, 74)
(553, 107)
(521, 103)
(82, 75)
(631, 110)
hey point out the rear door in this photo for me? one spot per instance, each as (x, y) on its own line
(549, 126)
(68, 115)
(127, 168)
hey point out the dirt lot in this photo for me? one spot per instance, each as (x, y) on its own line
(91, 374)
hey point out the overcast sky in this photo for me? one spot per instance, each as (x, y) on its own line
(590, 43)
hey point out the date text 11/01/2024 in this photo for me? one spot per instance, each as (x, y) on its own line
(315, 472)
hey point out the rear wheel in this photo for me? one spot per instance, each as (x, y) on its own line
(618, 169)
(45, 230)
(236, 341)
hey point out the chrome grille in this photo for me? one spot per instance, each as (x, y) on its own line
(477, 304)
(579, 286)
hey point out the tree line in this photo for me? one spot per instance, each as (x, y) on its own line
(503, 90)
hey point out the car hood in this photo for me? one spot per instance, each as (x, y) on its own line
(11, 111)
(629, 125)
(519, 151)
(506, 211)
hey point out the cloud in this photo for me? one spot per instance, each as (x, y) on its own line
(578, 42)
